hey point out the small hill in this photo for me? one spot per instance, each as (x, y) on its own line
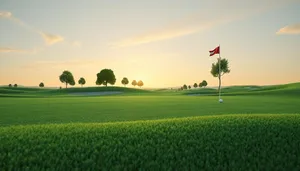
(40, 92)
(292, 89)
(20, 90)
(100, 89)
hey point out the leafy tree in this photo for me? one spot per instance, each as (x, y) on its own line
(125, 81)
(204, 83)
(195, 85)
(140, 83)
(67, 78)
(190, 87)
(9, 85)
(41, 84)
(184, 87)
(81, 81)
(200, 84)
(224, 70)
(106, 76)
(16, 85)
(134, 83)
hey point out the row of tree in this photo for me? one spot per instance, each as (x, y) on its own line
(125, 81)
(202, 84)
(15, 85)
(104, 77)
(218, 69)
(107, 76)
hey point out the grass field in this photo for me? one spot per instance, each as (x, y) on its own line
(256, 128)
(125, 108)
(235, 142)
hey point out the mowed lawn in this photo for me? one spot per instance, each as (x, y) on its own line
(16, 111)
(161, 132)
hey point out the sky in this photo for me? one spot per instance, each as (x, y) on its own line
(164, 43)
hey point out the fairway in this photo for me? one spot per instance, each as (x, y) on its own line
(16, 111)
(150, 129)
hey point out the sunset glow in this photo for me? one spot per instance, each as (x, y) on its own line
(164, 43)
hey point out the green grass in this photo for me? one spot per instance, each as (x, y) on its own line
(125, 108)
(292, 89)
(20, 90)
(234, 142)
(51, 129)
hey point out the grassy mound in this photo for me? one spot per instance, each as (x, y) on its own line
(43, 92)
(232, 142)
(19, 90)
(286, 89)
(292, 89)
(100, 89)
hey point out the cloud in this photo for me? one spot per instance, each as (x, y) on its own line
(179, 28)
(5, 14)
(16, 50)
(291, 29)
(9, 16)
(50, 38)
(224, 12)
(7, 50)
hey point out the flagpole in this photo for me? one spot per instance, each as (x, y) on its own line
(220, 71)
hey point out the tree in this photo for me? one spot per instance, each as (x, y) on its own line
(41, 84)
(204, 83)
(190, 87)
(200, 84)
(134, 83)
(184, 87)
(9, 85)
(125, 81)
(195, 85)
(67, 78)
(224, 70)
(16, 85)
(81, 81)
(140, 83)
(106, 76)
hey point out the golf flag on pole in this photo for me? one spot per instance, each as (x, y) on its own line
(215, 51)
(212, 53)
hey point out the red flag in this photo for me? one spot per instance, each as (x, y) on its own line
(215, 51)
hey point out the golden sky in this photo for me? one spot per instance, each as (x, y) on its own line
(164, 43)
